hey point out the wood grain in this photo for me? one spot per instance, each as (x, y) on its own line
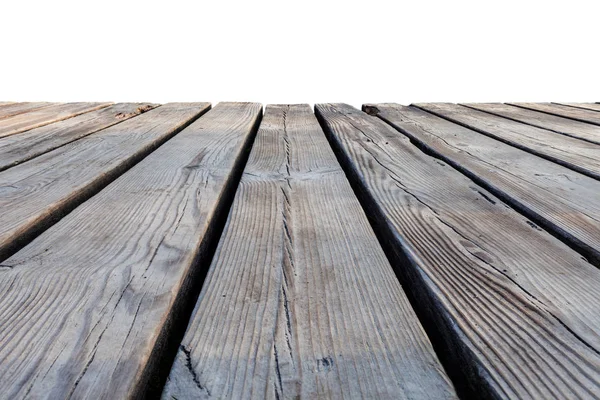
(578, 155)
(42, 190)
(575, 113)
(87, 308)
(16, 149)
(300, 300)
(585, 106)
(560, 200)
(12, 109)
(44, 116)
(512, 307)
(565, 126)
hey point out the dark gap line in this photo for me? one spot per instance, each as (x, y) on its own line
(589, 253)
(574, 106)
(34, 156)
(470, 380)
(162, 357)
(556, 114)
(46, 122)
(87, 192)
(516, 145)
(531, 124)
(24, 112)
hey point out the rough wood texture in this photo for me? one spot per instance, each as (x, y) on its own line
(11, 109)
(42, 190)
(516, 310)
(16, 149)
(565, 126)
(300, 299)
(578, 155)
(87, 308)
(575, 113)
(585, 106)
(555, 197)
(44, 116)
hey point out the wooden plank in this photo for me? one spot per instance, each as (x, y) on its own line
(585, 106)
(88, 307)
(577, 114)
(565, 126)
(12, 109)
(300, 300)
(558, 199)
(16, 149)
(578, 155)
(44, 116)
(514, 309)
(42, 190)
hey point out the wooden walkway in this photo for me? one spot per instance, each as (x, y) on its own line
(431, 251)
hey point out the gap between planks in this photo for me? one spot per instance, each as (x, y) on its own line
(45, 115)
(575, 113)
(43, 190)
(507, 321)
(565, 126)
(561, 200)
(17, 149)
(123, 267)
(300, 300)
(578, 155)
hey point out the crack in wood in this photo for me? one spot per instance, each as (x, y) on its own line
(191, 370)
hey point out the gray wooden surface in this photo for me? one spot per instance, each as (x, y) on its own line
(585, 106)
(300, 300)
(514, 309)
(575, 113)
(555, 197)
(88, 306)
(11, 109)
(42, 190)
(565, 126)
(44, 116)
(396, 255)
(578, 155)
(16, 149)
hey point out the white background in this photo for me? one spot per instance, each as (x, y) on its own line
(302, 51)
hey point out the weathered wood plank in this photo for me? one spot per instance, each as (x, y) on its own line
(44, 116)
(578, 155)
(16, 149)
(88, 307)
(577, 114)
(300, 300)
(516, 310)
(585, 106)
(12, 109)
(42, 190)
(560, 200)
(565, 126)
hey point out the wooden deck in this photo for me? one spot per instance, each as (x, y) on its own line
(180, 251)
